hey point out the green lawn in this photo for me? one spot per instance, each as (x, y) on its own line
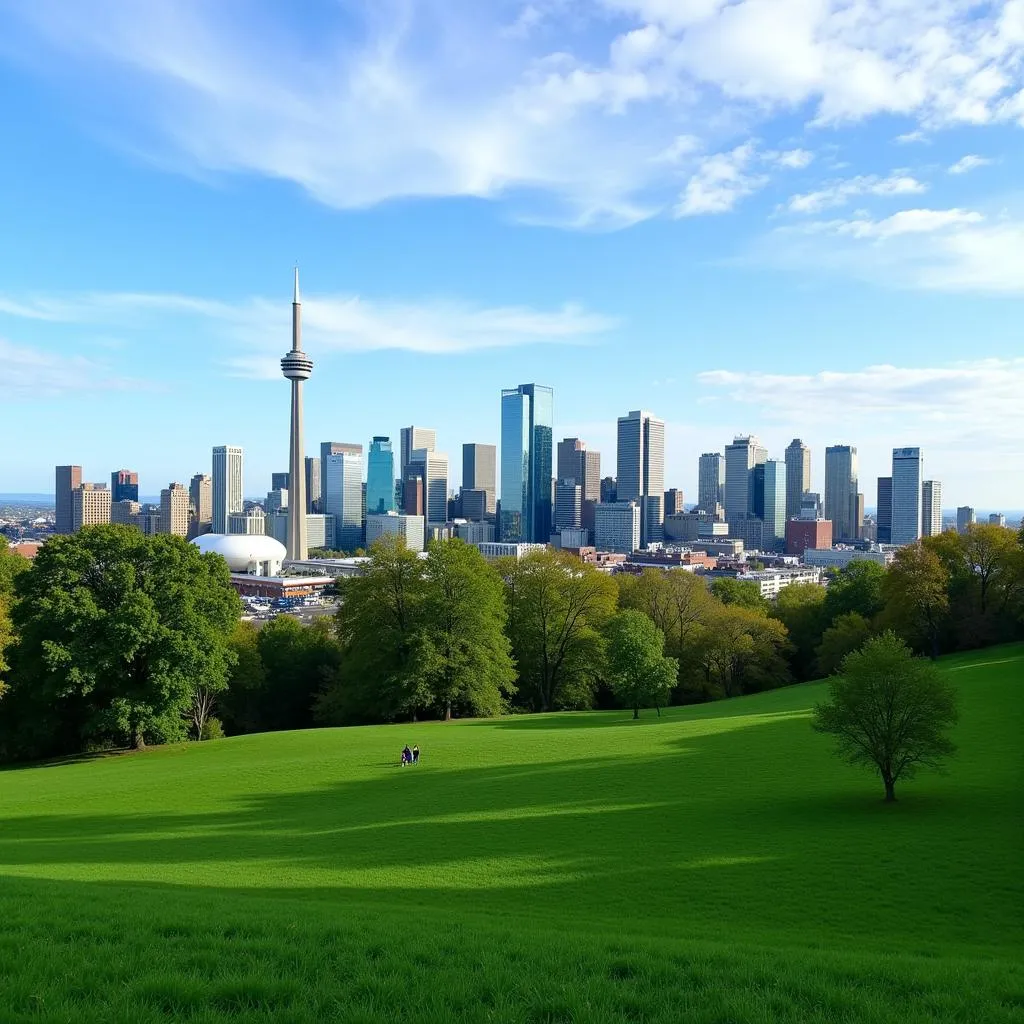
(716, 865)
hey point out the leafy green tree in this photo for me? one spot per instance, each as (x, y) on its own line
(845, 635)
(639, 672)
(117, 630)
(557, 609)
(889, 711)
(742, 593)
(11, 565)
(242, 700)
(801, 609)
(916, 596)
(743, 651)
(856, 587)
(462, 652)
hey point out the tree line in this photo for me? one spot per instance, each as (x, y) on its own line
(111, 638)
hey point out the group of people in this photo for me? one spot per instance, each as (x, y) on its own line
(410, 756)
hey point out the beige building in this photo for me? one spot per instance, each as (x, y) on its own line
(200, 493)
(125, 513)
(174, 510)
(253, 523)
(90, 505)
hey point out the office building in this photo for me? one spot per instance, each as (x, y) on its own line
(756, 510)
(883, 512)
(578, 462)
(274, 501)
(200, 497)
(750, 531)
(741, 457)
(640, 470)
(125, 513)
(617, 526)
(150, 520)
(411, 438)
(312, 486)
(673, 502)
(907, 478)
(413, 499)
(479, 473)
(341, 479)
(996, 519)
(434, 471)
(798, 475)
(931, 508)
(251, 524)
(711, 484)
(174, 510)
(297, 368)
(90, 506)
(527, 438)
(840, 558)
(492, 550)
(858, 516)
(380, 477)
(68, 480)
(608, 489)
(805, 534)
(841, 487)
(774, 497)
(965, 518)
(124, 485)
(686, 525)
(473, 502)
(227, 485)
(392, 524)
(811, 506)
(568, 506)
(279, 481)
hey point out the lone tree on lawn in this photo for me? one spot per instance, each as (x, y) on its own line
(640, 674)
(890, 711)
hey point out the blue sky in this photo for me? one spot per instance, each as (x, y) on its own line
(782, 217)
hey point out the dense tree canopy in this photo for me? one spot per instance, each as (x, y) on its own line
(916, 593)
(638, 670)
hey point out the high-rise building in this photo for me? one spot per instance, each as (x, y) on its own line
(931, 508)
(412, 438)
(279, 481)
(124, 485)
(90, 506)
(673, 501)
(568, 505)
(413, 499)
(380, 477)
(741, 457)
(473, 501)
(174, 510)
(883, 512)
(297, 367)
(617, 526)
(479, 471)
(711, 484)
(275, 501)
(965, 517)
(391, 524)
(527, 438)
(435, 482)
(640, 470)
(227, 485)
(312, 485)
(775, 497)
(798, 475)
(251, 523)
(608, 489)
(578, 462)
(125, 513)
(341, 478)
(858, 516)
(811, 506)
(68, 480)
(996, 519)
(200, 496)
(907, 477)
(841, 490)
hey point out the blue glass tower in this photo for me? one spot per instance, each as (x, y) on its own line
(380, 477)
(527, 439)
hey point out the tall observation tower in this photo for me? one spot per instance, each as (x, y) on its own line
(297, 367)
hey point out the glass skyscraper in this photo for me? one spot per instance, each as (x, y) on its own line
(341, 479)
(527, 440)
(907, 478)
(380, 477)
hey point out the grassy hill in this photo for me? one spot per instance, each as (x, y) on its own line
(715, 865)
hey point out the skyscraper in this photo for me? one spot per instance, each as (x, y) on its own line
(775, 496)
(907, 477)
(296, 367)
(410, 439)
(996, 519)
(200, 497)
(479, 471)
(90, 506)
(883, 513)
(965, 518)
(68, 480)
(527, 438)
(841, 490)
(380, 477)
(433, 467)
(711, 484)
(341, 473)
(798, 475)
(312, 485)
(279, 481)
(174, 509)
(124, 485)
(931, 508)
(640, 470)
(741, 457)
(227, 485)
(568, 505)
(577, 462)
(674, 502)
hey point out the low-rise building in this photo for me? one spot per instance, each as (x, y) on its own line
(771, 581)
(409, 528)
(839, 558)
(802, 534)
(617, 526)
(493, 550)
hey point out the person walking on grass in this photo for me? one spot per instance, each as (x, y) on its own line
(406, 755)
(416, 754)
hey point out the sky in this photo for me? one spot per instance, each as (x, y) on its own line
(788, 218)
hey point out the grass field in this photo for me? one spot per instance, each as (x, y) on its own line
(716, 865)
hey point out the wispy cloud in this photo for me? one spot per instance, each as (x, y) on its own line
(838, 193)
(31, 373)
(967, 163)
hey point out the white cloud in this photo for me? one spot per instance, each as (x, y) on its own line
(838, 193)
(796, 159)
(915, 136)
(969, 163)
(407, 98)
(908, 222)
(32, 373)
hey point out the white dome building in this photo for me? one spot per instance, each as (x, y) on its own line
(250, 553)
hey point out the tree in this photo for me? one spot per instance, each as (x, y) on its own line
(117, 630)
(462, 652)
(742, 651)
(801, 609)
(240, 702)
(889, 711)
(11, 566)
(844, 636)
(915, 591)
(744, 593)
(640, 673)
(557, 608)
(856, 587)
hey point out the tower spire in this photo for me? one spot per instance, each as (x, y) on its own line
(295, 295)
